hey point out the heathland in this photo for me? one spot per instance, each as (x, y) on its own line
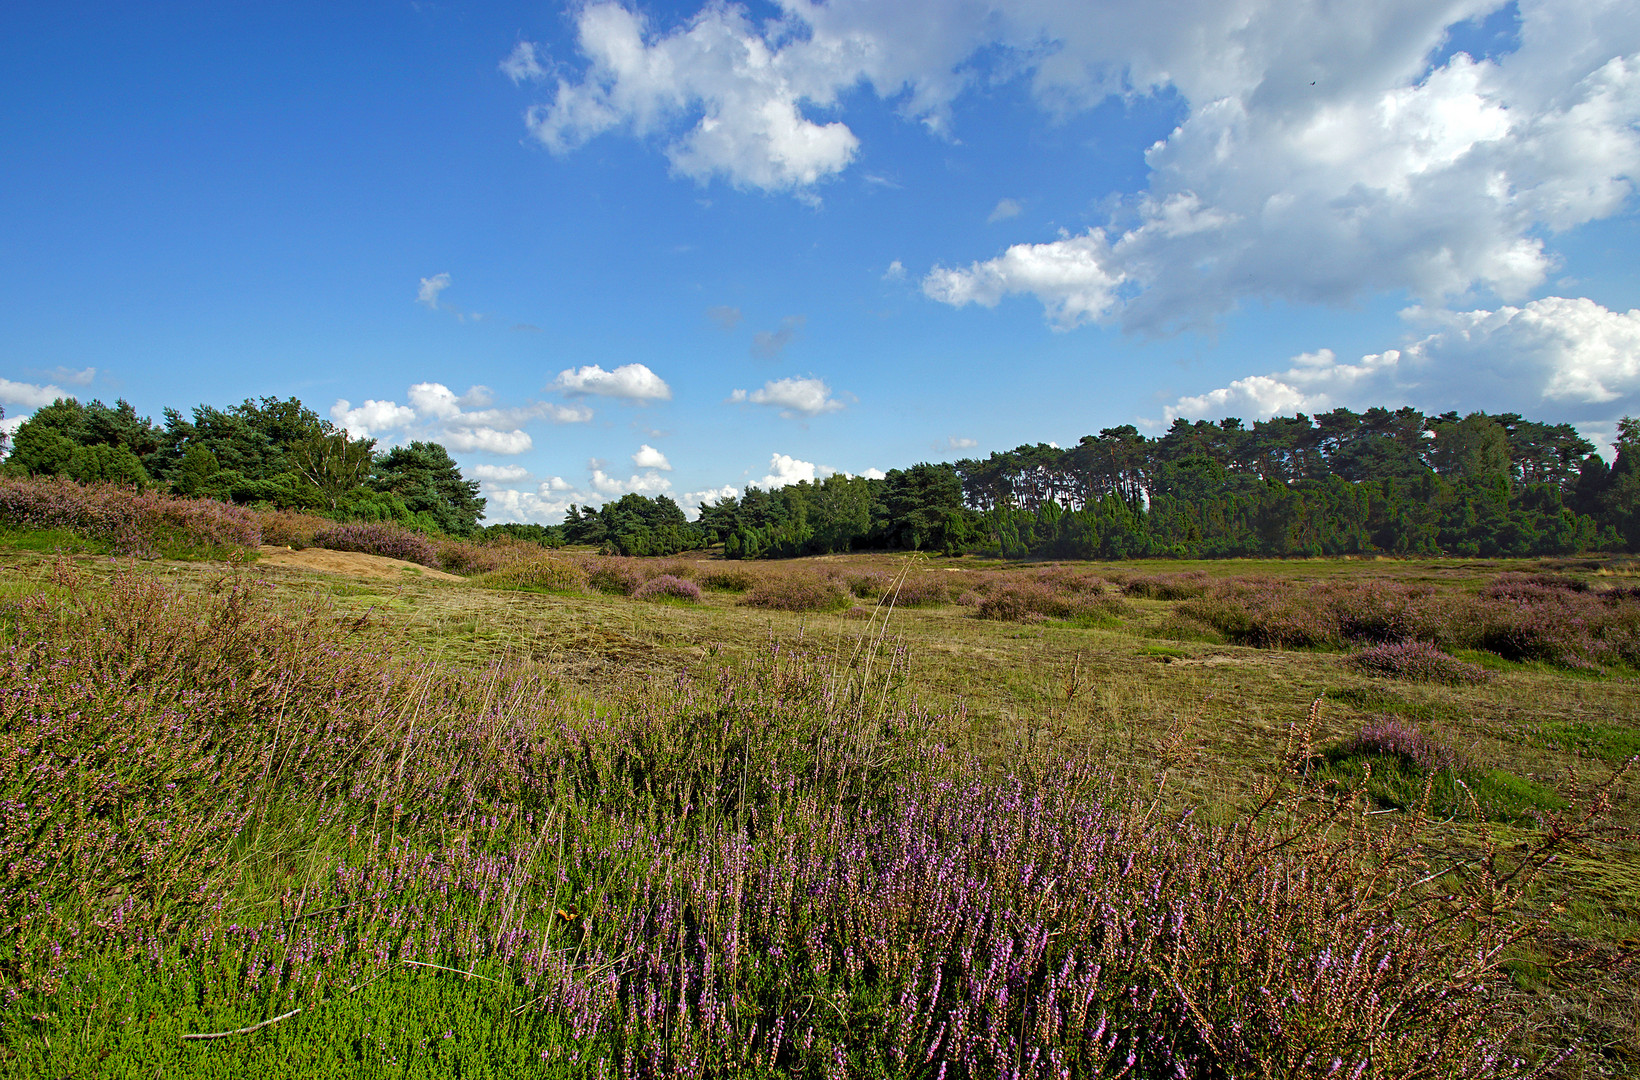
(440, 807)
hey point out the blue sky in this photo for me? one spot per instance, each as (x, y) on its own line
(608, 247)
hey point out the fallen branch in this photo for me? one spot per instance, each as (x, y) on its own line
(243, 1030)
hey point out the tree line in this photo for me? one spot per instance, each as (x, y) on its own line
(1391, 481)
(270, 452)
(1342, 482)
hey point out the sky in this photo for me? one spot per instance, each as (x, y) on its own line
(608, 247)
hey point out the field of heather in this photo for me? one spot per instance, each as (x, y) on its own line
(564, 815)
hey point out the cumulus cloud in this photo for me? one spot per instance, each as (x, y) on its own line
(1004, 209)
(499, 474)
(522, 65)
(29, 395)
(784, 470)
(726, 101)
(692, 501)
(1560, 357)
(874, 474)
(428, 295)
(464, 422)
(793, 397)
(649, 482)
(954, 442)
(629, 382)
(895, 271)
(648, 457)
(371, 419)
(1322, 152)
(725, 316)
(768, 344)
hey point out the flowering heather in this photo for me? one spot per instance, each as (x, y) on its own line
(797, 592)
(1033, 600)
(1166, 586)
(615, 574)
(218, 810)
(135, 522)
(728, 579)
(667, 586)
(290, 528)
(1419, 661)
(1393, 737)
(379, 538)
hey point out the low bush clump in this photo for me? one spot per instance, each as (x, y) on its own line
(869, 585)
(1390, 736)
(1037, 600)
(545, 573)
(290, 528)
(1418, 661)
(797, 592)
(379, 538)
(615, 575)
(131, 522)
(668, 587)
(1166, 586)
(728, 579)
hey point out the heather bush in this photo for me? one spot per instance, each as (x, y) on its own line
(545, 573)
(221, 811)
(869, 585)
(290, 528)
(1418, 661)
(132, 522)
(615, 574)
(920, 590)
(797, 592)
(728, 579)
(1166, 586)
(668, 587)
(1036, 600)
(686, 571)
(1390, 736)
(466, 557)
(379, 538)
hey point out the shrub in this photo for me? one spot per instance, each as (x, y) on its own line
(730, 579)
(1391, 736)
(869, 585)
(920, 590)
(290, 528)
(668, 587)
(615, 575)
(1034, 601)
(1166, 586)
(1418, 661)
(142, 523)
(797, 592)
(545, 573)
(379, 538)
(466, 557)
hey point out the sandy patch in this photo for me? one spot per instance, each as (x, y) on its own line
(351, 563)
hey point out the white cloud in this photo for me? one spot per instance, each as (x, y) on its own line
(629, 382)
(895, 271)
(427, 295)
(1004, 209)
(10, 424)
(740, 96)
(541, 506)
(1319, 154)
(1555, 357)
(792, 396)
(649, 483)
(648, 457)
(1075, 278)
(874, 474)
(522, 65)
(372, 418)
(768, 344)
(955, 443)
(784, 470)
(29, 395)
(692, 501)
(498, 474)
(461, 422)
(488, 439)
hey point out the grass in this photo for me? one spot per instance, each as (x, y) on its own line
(1115, 694)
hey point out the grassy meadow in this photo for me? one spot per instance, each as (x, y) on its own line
(575, 815)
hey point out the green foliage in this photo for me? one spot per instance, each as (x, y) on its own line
(426, 480)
